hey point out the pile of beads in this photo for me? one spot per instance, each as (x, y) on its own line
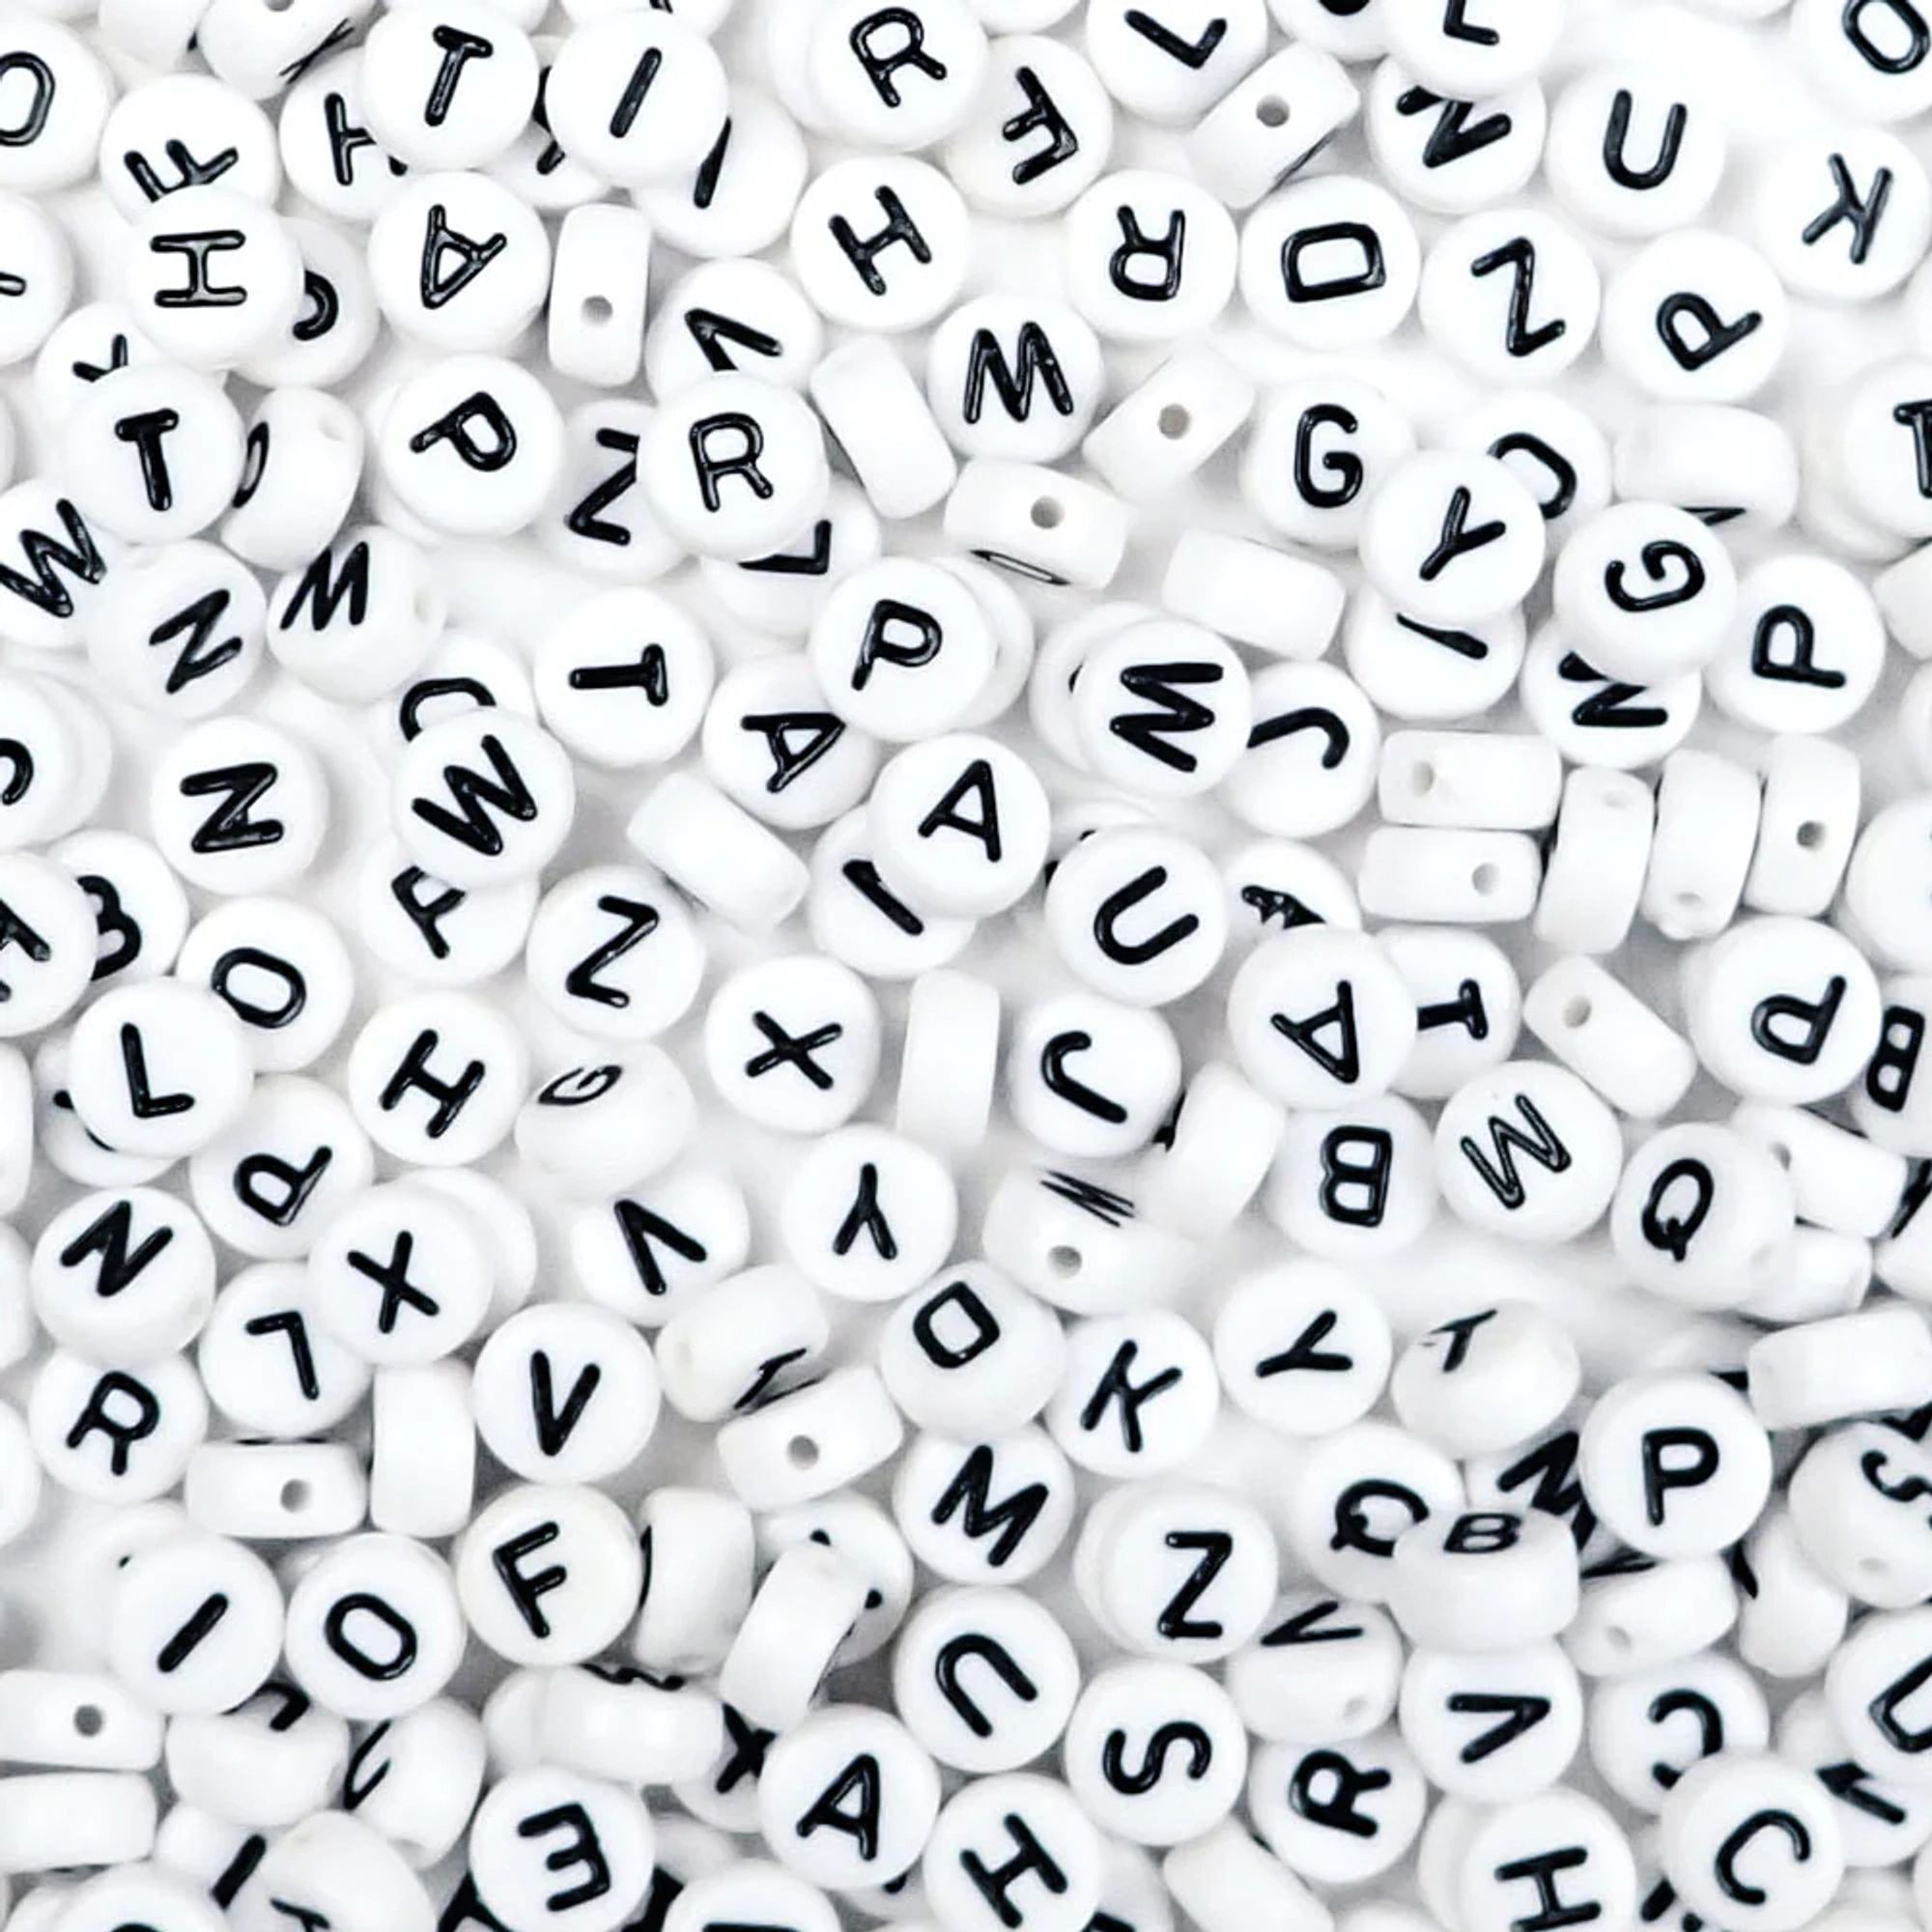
(927, 1000)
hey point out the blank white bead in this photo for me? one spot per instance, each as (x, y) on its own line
(808, 1602)
(1449, 877)
(1793, 1616)
(1712, 461)
(1806, 828)
(1224, 1876)
(1707, 823)
(715, 850)
(1160, 434)
(1217, 1155)
(877, 413)
(813, 1440)
(1253, 594)
(422, 1449)
(1824, 1371)
(1039, 524)
(1483, 780)
(949, 1059)
(1076, 1242)
(75, 1719)
(610, 1723)
(274, 1491)
(1271, 123)
(1633, 1619)
(50, 1820)
(275, 1760)
(1838, 1179)
(416, 1778)
(699, 1583)
(1597, 1027)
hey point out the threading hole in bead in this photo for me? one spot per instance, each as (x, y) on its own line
(1486, 878)
(1175, 421)
(1577, 1012)
(1047, 515)
(88, 1720)
(1810, 836)
(1273, 112)
(597, 310)
(1617, 1638)
(1065, 1263)
(1421, 778)
(802, 1452)
(1691, 902)
(295, 1494)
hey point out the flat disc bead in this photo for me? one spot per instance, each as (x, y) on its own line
(635, 97)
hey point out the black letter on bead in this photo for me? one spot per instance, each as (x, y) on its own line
(1041, 111)
(95, 1418)
(881, 68)
(858, 1785)
(458, 49)
(78, 556)
(1617, 134)
(1170, 252)
(470, 825)
(1661, 1476)
(454, 428)
(864, 254)
(451, 1096)
(1501, 1178)
(1814, 1018)
(1674, 1233)
(1215, 1547)
(968, 1496)
(995, 1883)
(742, 463)
(1355, 1167)
(1520, 258)
(1166, 1738)
(1719, 335)
(990, 1650)
(1726, 1860)
(1372, 274)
